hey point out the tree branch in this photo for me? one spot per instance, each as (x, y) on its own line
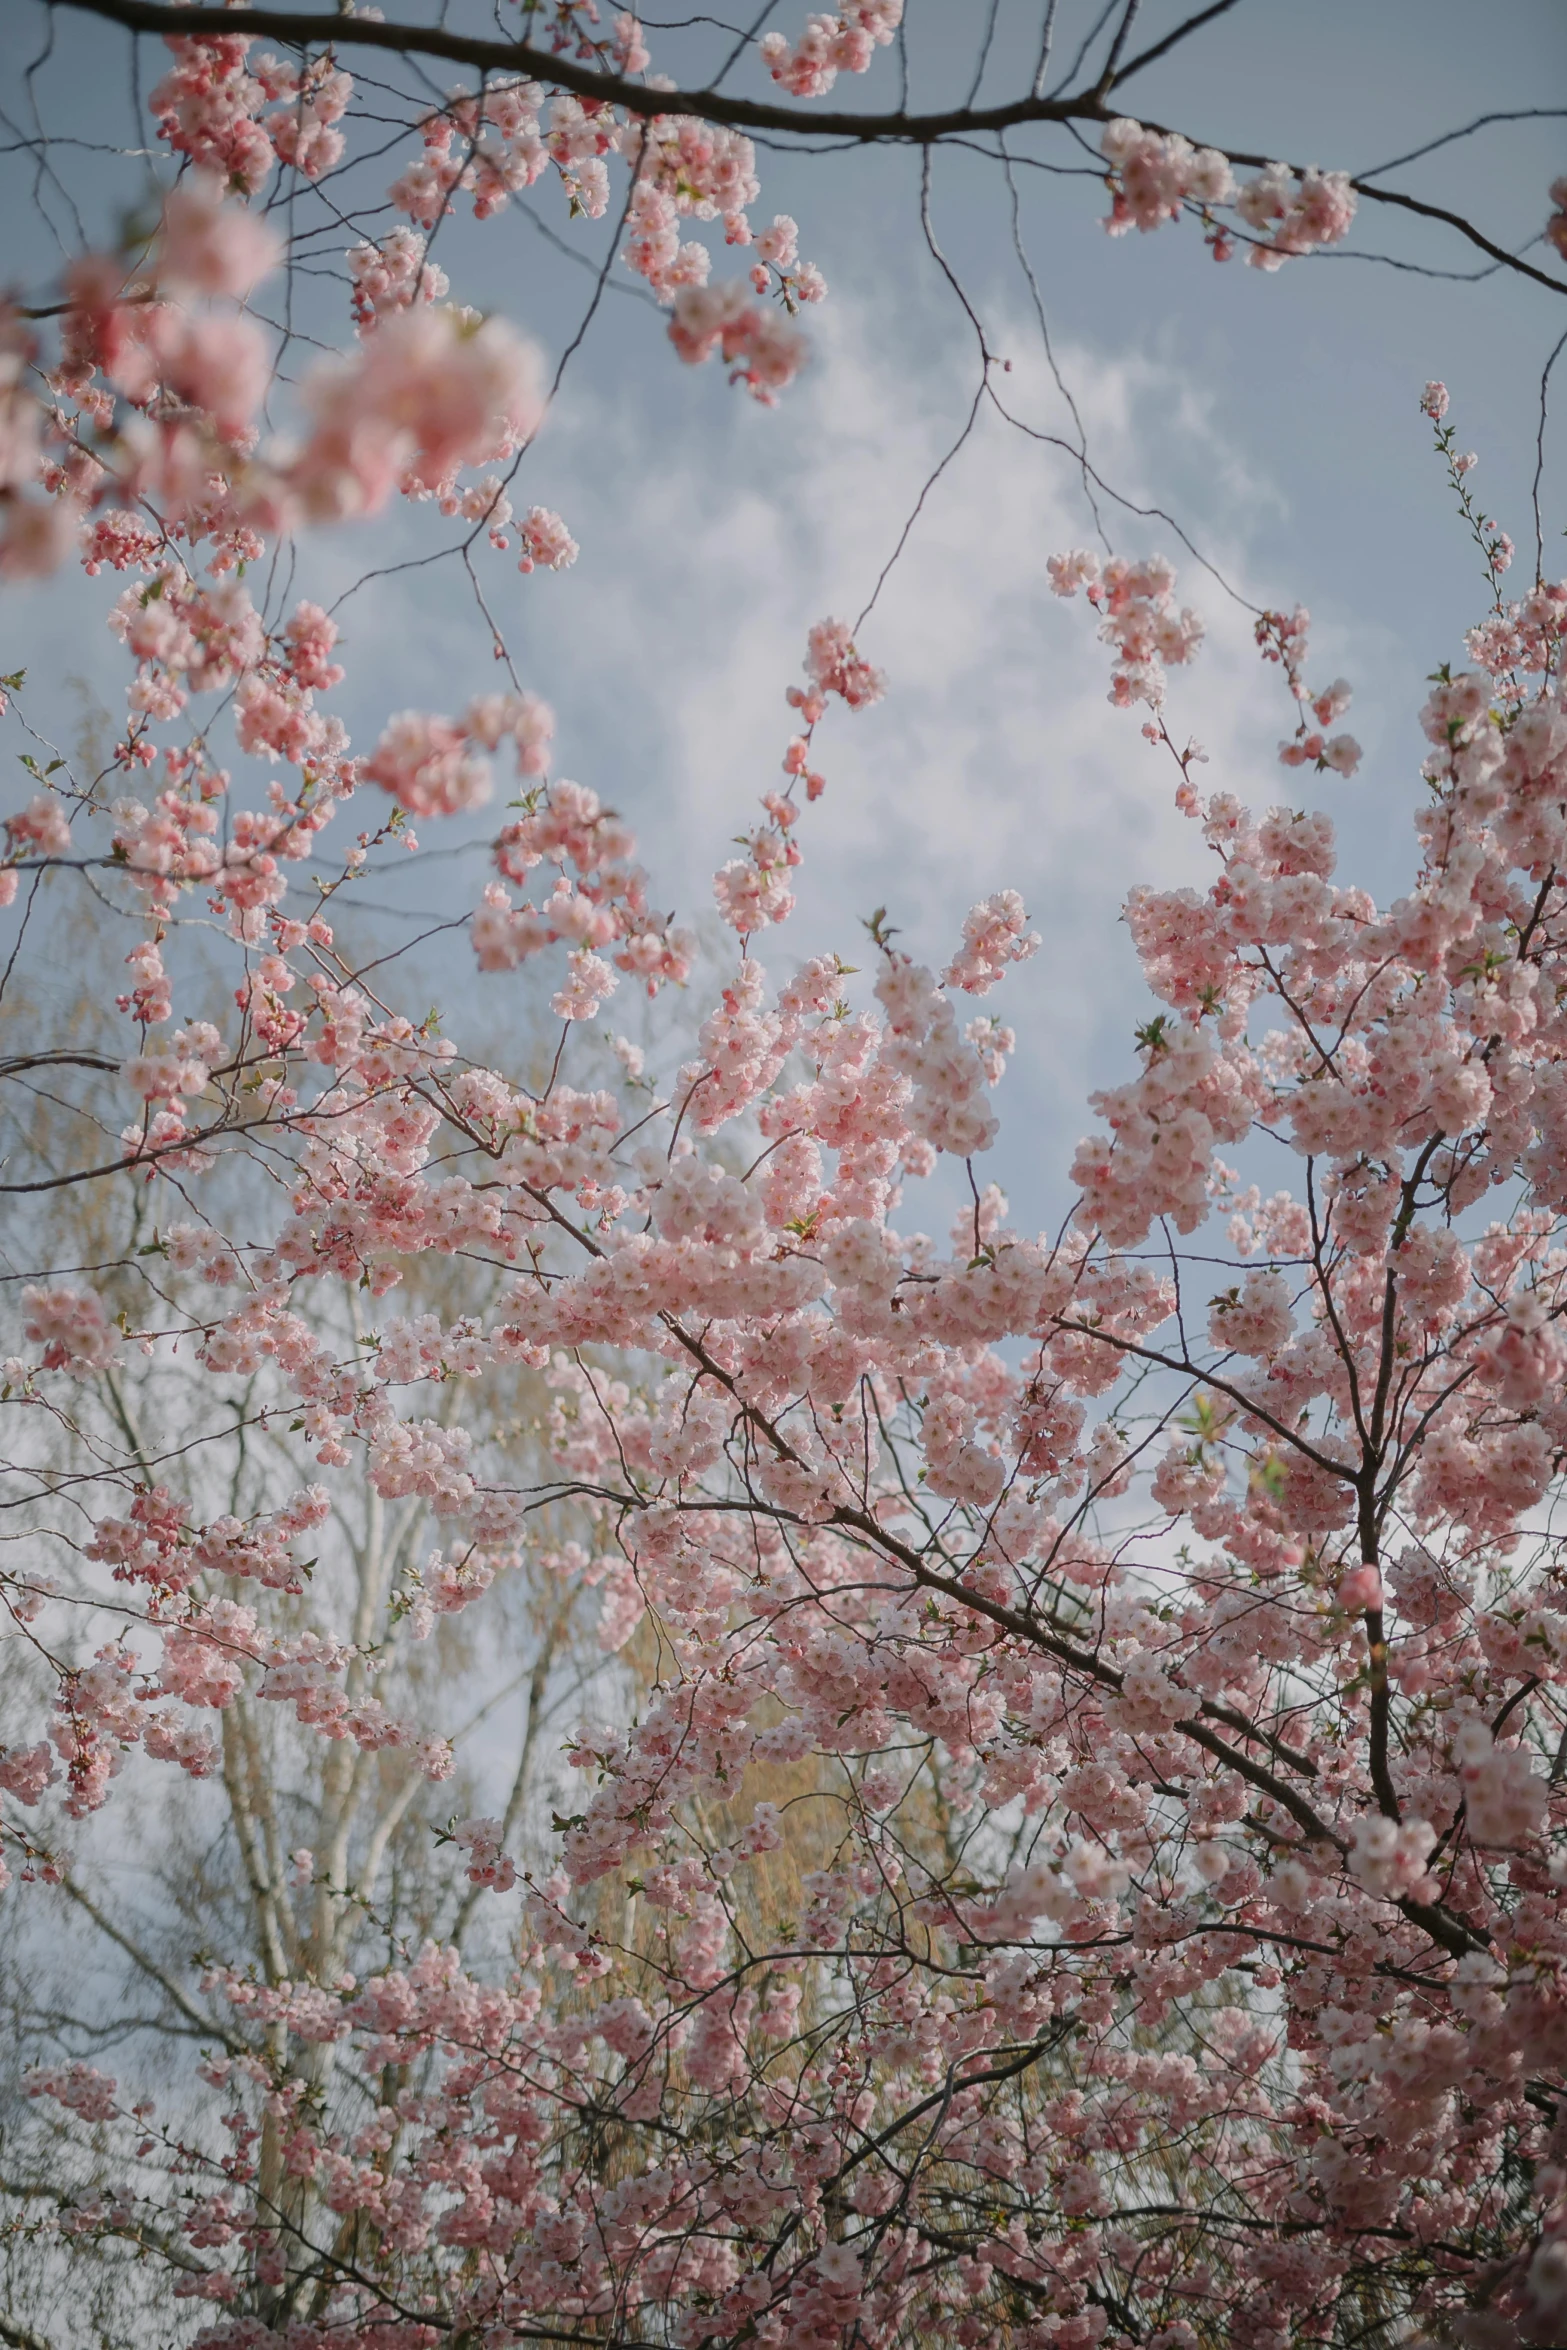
(747, 114)
(1182, 32)
(22, 2337)
(150, 1967)
(20, 1062)
(604, 89)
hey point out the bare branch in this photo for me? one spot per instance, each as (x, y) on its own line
(149, 1967)
(22, 2337)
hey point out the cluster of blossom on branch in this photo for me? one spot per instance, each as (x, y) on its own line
(1157, 175)
(1140, 619)
(151, 394)
(162, 371)
(844, 42)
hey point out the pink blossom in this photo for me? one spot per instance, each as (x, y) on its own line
(71, 1327)
(589, 983)
(1155, 175)
(42, 828)
(488, 1865)
(763, 351)
(209, 247)
(1140, 620)
(1556, 225)
(546, 541)
(426, 765)
(844, 42)
(431, 391)
(392, 276)
(993, 938)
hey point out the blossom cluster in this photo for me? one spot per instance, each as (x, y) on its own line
(1156, 175)
(843, 42)
(163, 369)
(1140, 619)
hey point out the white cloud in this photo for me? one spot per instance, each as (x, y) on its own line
(996, 759)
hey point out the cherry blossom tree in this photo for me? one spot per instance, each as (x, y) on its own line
(1072, 1849)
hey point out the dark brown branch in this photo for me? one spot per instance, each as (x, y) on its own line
(747, 114)
(1465, 228)
(19, 1063)
(605, 89)
(713, 104)
(1172, 40)
(1362, 188)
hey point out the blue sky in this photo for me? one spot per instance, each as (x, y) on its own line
(1274, 416)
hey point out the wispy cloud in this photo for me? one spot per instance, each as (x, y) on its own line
(995, 759)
